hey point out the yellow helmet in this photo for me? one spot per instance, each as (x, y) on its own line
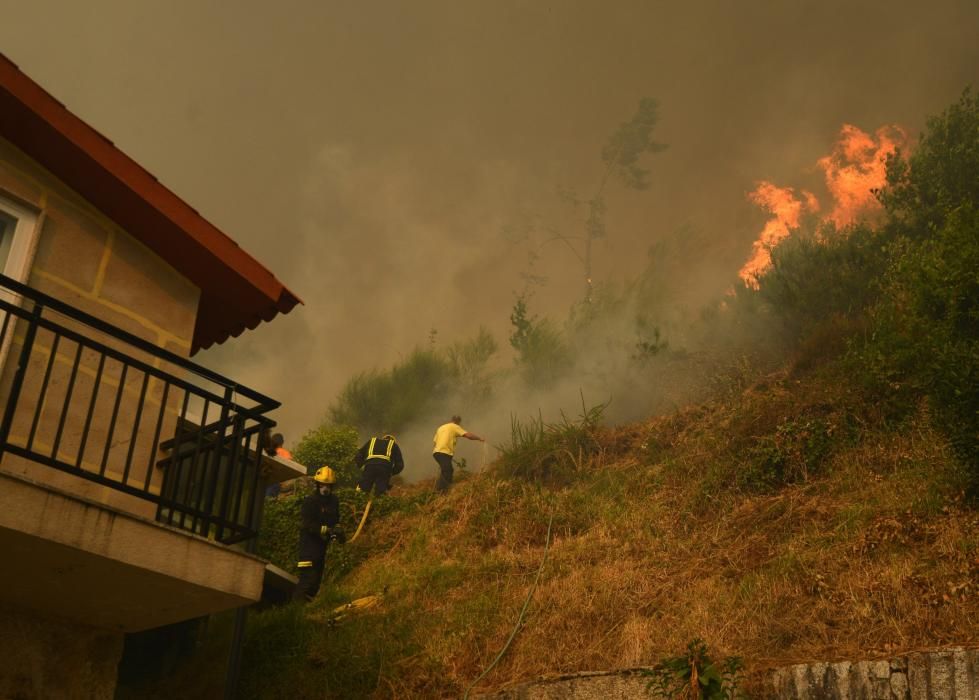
(325, 475)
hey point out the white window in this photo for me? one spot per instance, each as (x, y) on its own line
(18, 238)
(8, 225)
(18, 242)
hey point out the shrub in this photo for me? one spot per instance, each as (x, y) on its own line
(925, 329)
(468, 361)
(926, 333)
(551, 452)
(821, 275)
(795, 452)
(941, 175)
(696, 675)
(330, 445)
(279, 535)
(390, 400)
(543, 356)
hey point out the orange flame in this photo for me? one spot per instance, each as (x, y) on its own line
(786, 209)
(855, 167)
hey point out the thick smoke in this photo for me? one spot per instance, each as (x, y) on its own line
(377, 156)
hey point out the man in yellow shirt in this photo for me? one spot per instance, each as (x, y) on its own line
(445, 446)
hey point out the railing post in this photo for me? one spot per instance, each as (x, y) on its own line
(211, 482)
(18, 380)
(230, 493)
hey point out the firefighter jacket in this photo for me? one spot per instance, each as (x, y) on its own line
(383, 451)
(319, 517)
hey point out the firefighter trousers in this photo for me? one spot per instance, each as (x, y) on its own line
(377, 477)
(310, 578)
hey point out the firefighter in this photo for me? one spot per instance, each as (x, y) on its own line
(274, 448)
(445, 445)
(320, 517)
(380, 458)
(277, 447)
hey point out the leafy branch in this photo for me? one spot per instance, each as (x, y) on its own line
(696, 676)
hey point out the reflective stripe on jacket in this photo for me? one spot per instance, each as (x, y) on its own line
(386, 448)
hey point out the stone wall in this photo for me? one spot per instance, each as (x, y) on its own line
(42, 659)
(951, 674)
(621, 685)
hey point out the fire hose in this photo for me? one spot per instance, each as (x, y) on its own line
(354, 606)
(363, 519)
(523, 611)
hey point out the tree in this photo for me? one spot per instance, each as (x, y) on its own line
(925, 329)
(942, 173)
(542, 354)
(621, 155)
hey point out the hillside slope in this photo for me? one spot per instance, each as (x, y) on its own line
(791, 520)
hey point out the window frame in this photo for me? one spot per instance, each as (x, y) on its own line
(26, 231)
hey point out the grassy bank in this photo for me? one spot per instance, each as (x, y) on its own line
(792, 521)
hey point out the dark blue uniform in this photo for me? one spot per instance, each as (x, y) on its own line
(320, 516)
(380, 458)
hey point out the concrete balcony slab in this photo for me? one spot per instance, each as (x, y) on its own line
(76, 559)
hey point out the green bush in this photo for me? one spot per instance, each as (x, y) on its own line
(543, 356)
(818, 276)
(795, 452)
(696, 675)
(901, 300)
(468, 367)
(330, 445)
(941, 174)
(279, 536)
(551, 453)
(390, 400)
(925, 329)
(926, 334)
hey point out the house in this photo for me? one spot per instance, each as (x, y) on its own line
(131, 478)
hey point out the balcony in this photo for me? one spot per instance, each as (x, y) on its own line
(131, 479)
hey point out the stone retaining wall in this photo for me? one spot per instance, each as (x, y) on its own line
(951, 674)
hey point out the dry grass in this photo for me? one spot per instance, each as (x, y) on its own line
(871, 555)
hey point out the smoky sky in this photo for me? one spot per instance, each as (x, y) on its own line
(373, 155)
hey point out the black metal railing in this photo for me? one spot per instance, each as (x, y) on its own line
(89, 399)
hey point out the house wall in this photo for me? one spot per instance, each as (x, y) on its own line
(86, 260)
